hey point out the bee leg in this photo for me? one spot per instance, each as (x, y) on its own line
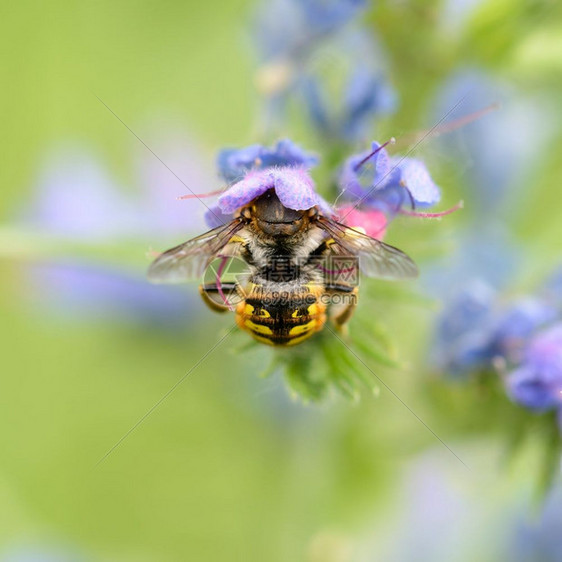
(342, 306)
(219, 300)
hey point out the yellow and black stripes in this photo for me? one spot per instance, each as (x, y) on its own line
(282, 319)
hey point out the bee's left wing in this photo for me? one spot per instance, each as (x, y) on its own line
(189, 260)
(376, 259)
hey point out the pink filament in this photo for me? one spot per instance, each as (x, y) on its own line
(199, 195)
(338, 271)
(220, 270)
(456, 207)
(411, 138)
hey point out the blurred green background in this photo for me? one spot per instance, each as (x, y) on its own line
(227, 467)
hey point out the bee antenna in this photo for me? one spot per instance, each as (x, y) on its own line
(391, 140)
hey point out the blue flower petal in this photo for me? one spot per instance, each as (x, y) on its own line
(464, 335)
(316, 103)
(324, 16)
(234, 163)
(254, 184)
(214, 217)
(368, 94)
(537, 383)
(293, 186)
(522, 320)
(526, 387)
(361, 179)
(415, 177)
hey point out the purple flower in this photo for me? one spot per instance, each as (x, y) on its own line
(233, 163)
(293, 186)
(537, 382)
(388, 182)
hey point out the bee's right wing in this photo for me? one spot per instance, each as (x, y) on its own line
(376, 259)
(189, 260)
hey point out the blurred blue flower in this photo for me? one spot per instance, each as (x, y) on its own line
(387, 183)
(322, 16)
(361, 93)
(517, 323)
(499, 151)
(537, 382)
(304, 23)
(485, 252)
(337, 70)
(464, 330)
(233, 163)
(368, 94)
(77, 199)
(84, 291)
(438, 515)
(537, 538)
(475, 327)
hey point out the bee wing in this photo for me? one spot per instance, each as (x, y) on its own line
(376, 259)
(189, 260)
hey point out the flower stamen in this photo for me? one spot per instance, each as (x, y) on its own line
(391, 140)
(454, 208)
(199, 195)
(224, 260)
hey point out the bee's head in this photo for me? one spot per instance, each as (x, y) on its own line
(272, 218)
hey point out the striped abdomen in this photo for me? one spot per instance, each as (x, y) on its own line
(282, 318)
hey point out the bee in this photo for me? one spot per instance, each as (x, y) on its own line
(291, 286)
